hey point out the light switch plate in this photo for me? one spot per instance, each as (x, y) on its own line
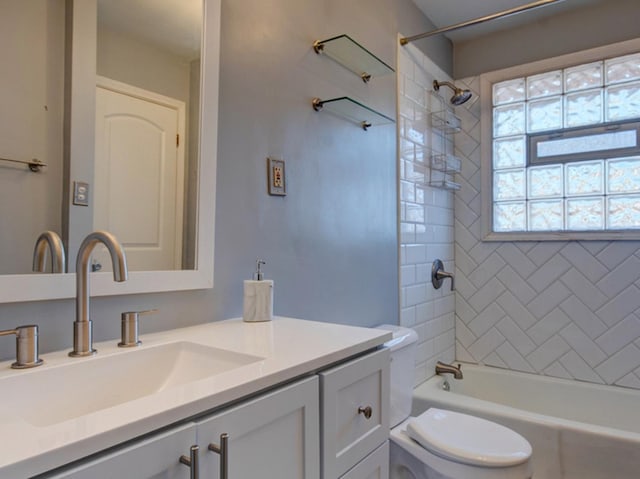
(276, 177)
(80, 193)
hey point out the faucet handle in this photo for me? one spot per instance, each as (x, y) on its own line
(129, 328)
(438, 274)
(26, 346)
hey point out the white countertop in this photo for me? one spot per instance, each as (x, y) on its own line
(290, 348)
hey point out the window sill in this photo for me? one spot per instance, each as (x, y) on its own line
(621, 235)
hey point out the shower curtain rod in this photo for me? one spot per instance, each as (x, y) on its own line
(477, 21)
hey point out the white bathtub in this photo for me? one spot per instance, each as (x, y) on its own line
(577, 430)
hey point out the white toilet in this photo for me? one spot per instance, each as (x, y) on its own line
(441, 444)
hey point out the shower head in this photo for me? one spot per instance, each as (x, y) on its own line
(459, 95)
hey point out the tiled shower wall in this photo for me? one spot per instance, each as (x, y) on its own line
(568, 309)
(426, 217)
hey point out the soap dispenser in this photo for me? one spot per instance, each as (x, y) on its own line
(258, 297)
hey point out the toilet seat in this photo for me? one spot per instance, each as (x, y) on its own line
(468, 439)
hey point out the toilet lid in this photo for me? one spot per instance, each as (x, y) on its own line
(468, 439)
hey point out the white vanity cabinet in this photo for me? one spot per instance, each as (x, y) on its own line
(326, 418)
(155, 457)
(355, 417)
(276, 435)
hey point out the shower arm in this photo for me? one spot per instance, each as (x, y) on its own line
(477, 21)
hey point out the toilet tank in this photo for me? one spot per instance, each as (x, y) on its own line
(403, 356)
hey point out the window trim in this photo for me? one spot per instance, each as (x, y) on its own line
(486, 144)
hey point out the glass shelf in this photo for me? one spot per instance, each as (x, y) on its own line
(353, 111)
(352, 56)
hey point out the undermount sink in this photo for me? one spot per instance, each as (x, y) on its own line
(50, 396)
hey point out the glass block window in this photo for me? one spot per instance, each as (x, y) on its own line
(566, 149)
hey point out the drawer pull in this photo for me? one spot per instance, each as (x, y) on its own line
(223, 450)
(366, 411)
(192, 462)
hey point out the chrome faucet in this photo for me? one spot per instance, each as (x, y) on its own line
(26, 346)
(56, 249)
(444, 368)
(82, 327)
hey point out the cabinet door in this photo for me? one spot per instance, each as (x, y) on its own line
(374, 466)
(275, 436)
(156, 457)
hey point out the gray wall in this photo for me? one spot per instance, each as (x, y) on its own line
(608, 22)
(331, 244)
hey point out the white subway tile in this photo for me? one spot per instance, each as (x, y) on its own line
(584, 261)
(463, 355)
(424, 313)
(582, 344)
(586, 319)
(623, 333)
(621, 306)
(515, 336)
(494, 360)
(415, 294)
(408, 317)
(546, 301)
(407, 275)
(486, 344)
(584, 289)
(548, 326)
(620, 364)
(486, 320)
(623, 275)
(415, 253)
(513, 358)
(558, 371)
(547, 353)
(516, 311)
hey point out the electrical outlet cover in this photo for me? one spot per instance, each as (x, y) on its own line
(276, 177)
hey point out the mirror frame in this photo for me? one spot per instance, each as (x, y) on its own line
(79, 143)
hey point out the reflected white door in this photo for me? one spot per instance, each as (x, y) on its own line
(139, 175)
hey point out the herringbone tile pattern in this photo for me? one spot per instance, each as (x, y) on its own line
(564, 309)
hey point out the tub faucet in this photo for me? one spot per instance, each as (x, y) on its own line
(56, 250)
(443, 368)
(82, 327)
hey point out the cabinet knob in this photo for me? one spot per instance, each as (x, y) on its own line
(192, 462)
(223, 450)
(366, 411)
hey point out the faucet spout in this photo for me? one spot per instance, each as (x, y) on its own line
(82, 327)
(51, 241)
(444, 368)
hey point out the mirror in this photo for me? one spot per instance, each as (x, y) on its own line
(147, 123)
(31, 127)
(78, 105)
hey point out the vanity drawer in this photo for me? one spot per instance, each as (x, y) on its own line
(351, 392)
(153, 457)
(374, 466)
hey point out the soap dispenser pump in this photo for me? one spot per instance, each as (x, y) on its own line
(258, 297)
